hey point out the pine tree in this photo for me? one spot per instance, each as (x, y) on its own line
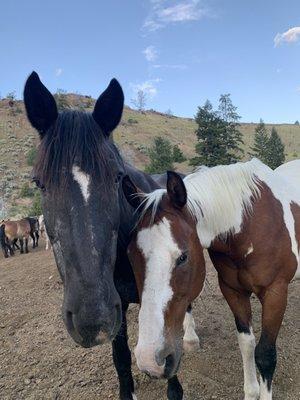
(178, 155)
(232, 137)
(276, 155)
(261, 142)
(209, 148)
(218, 134)
(161, 156)
(297, 122)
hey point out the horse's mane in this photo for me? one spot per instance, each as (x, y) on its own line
(215, 194)
(75, 138)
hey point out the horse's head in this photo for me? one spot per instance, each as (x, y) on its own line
(169, 267)
(78, 170)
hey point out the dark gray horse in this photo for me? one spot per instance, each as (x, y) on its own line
(88, 219)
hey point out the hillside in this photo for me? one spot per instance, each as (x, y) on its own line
(133, 136)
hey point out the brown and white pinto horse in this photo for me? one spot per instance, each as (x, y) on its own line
(248, 217)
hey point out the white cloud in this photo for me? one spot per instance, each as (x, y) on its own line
(149, 87)
(150, 53)
(58, 71)
(164, 12)
(170, 66)
(290, 36)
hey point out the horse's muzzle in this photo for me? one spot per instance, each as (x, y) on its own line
(88, 332)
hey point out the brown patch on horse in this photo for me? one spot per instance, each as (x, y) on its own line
(17, 229)
(271, 257)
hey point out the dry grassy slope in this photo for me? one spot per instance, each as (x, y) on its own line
(133, 136)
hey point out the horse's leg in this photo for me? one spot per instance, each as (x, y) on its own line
(15, 244)
(37, 236)
(26, 245)
(239, 303)
(175, 391)
(122, 360)
(47, 240)
(21, 246)
(274, 300)
(10, 248)
(33, 239)
(190, 338)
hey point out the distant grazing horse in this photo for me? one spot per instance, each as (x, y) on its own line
(43, 230)
(89, 221)
(248, 217)
(17, 230)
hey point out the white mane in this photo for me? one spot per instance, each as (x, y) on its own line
(218, 197)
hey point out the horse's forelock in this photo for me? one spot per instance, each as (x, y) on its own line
(75, 138)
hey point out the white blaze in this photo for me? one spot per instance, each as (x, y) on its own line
(83, 181)
(160, 252)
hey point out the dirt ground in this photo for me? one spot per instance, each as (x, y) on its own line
(39, 361)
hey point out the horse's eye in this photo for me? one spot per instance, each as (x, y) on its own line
(181, 259)
(119, 177)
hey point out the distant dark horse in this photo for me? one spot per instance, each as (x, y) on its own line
(34, 230)
(6, 247)
(88, 219)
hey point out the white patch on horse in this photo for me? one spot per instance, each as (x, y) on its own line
(160, 251)
(134, 396)
(214, 201)
(190, 338)
(83, 181)
(247, 347)
(265, 394)
(249, 251)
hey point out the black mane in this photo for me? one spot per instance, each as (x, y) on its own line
(75, 138)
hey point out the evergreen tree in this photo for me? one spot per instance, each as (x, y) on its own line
(178, 155)
(218, 134)
(232, 137)
(276, 155)
(261, 142)
(297, 122)
(161, 156)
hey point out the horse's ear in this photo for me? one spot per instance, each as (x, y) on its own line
(109, 107)
(132, 193)
(176, 189)
(40, 104)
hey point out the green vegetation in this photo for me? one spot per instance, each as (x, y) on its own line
(261, 140)
(276, 154)
(219, 137)
(132, 121)
(26, 190)
(31, 156)
(161, 156)
(178, 155)
(36, 208)
(269, 149)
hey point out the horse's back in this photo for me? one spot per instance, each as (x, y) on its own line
(290, 171)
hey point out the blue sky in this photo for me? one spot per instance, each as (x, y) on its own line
(179, 52)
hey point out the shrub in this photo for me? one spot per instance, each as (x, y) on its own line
(31, 156)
